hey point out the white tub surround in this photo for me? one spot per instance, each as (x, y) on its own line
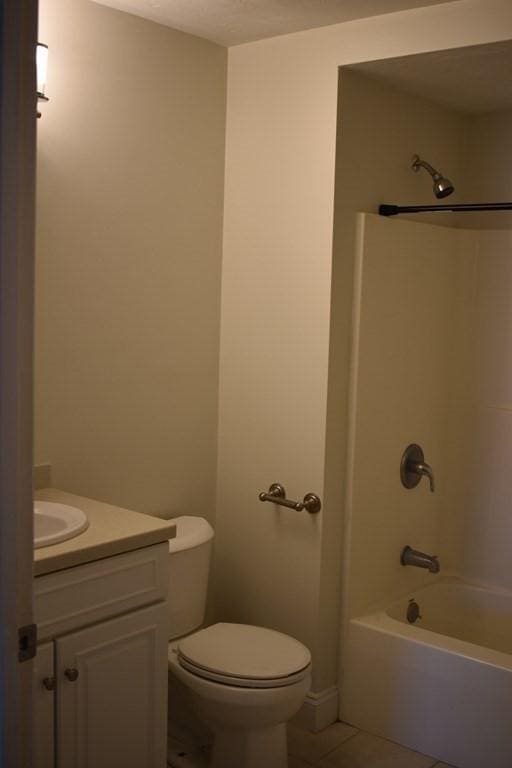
(441, 686)
(112, 531)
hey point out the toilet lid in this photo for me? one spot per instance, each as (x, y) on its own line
(240, 654)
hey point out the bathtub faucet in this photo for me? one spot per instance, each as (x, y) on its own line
(420, 559)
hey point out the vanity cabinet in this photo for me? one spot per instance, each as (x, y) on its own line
(101, 673)
(44, 707)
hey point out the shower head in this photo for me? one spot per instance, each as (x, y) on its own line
(442, 187)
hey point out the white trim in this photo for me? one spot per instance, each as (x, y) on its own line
(18, 35)
(351, 440)
(318, 711)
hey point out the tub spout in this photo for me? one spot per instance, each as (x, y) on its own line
(420, 559)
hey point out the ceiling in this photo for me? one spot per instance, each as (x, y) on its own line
(470, 80)
(230, 22)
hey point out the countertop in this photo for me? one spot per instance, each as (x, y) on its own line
(112, 531)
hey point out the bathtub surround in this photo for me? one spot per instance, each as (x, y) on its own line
(405, 356)
(478, 526)
(449, 387)
(130, 193)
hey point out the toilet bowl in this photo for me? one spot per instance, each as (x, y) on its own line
(243, 682)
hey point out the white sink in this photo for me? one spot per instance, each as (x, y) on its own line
(57, 522)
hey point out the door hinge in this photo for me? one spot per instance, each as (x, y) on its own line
(27, 642)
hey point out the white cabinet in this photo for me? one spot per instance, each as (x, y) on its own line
(111, 693)
(44, 707)
(108, 706)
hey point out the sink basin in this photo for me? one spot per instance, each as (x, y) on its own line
(56, 522)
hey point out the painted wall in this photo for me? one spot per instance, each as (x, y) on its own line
(488, 171)
(380, 128)
(282, 568)
(130, 196)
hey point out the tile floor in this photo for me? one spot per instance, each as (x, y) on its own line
(341, 746)
(338, 746)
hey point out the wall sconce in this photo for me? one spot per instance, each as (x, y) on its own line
(42, 71)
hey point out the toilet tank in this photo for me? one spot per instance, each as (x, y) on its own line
(189, 562)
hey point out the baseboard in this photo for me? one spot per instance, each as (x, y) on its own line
(318, 711)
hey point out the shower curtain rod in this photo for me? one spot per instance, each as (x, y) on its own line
(394, 210)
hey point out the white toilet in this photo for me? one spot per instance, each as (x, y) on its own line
(243, 682)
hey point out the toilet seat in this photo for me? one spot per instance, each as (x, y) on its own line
(244, 656)
(243, 682)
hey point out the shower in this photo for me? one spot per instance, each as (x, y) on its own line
(442, 187)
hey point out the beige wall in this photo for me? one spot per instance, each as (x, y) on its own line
(283, 568)
(488, 170)
(130, 196)
(380, 128)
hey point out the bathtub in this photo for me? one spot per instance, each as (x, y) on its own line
(441, 686)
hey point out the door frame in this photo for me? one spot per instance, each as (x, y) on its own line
(18, 37)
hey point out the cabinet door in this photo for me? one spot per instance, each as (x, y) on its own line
(112, 693)
(44, 707)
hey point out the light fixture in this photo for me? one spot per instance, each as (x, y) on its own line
(42, 71)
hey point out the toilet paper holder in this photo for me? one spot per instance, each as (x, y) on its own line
(277, 495)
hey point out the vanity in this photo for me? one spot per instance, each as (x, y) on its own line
(100, 605)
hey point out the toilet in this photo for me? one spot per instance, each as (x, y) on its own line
(243, 682)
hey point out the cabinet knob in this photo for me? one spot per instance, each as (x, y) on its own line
(49, 683)
(71, 674)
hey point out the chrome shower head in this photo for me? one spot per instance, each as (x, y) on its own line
(442, 187)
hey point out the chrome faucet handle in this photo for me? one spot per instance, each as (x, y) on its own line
(413, 467)
(425, 470)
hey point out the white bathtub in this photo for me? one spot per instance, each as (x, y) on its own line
(441, 686)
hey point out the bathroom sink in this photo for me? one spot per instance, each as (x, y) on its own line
(57, 522)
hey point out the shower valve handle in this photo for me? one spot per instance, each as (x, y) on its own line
(425, 470)
(413, 467)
